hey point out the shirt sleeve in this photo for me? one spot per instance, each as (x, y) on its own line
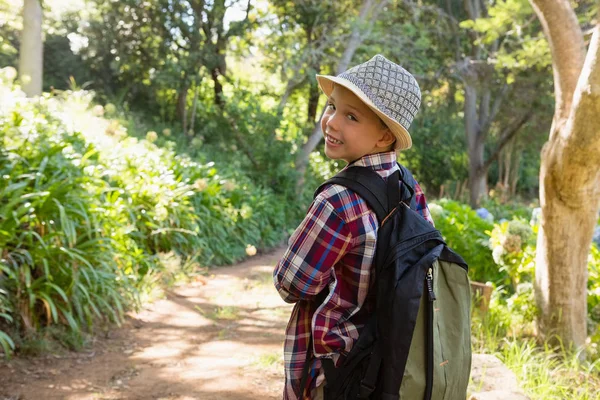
(422, 204)
(316, 246)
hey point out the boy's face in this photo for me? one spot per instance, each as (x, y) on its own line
(352, 130)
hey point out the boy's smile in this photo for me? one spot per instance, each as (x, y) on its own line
(352, 130)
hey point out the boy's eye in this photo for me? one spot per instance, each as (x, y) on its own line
(330, 106)
(352, 117)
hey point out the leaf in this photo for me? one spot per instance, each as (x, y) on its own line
(7, 343)
(50, 307)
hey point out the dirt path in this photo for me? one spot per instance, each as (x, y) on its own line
(214, 340)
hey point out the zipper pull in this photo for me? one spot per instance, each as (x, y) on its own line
(429, 279)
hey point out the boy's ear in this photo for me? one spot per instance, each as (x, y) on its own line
(387, 139)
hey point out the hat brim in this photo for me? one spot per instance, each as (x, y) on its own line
(403, 139)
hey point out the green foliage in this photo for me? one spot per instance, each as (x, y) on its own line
(445, 162)
(513, 249)
(465, 232)
(594, 285)
(507, 210)
(87, 214)
(60, 63)
(57, 262)
(522, 44)
(507, 330)
(9, 29)
(248, 136)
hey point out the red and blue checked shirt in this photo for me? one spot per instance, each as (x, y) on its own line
(333, 247)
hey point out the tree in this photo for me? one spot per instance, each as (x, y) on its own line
(495, 40)
(162, 44)
(31, 49)
(569, 175)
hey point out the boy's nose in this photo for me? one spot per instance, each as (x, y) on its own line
(331, 121)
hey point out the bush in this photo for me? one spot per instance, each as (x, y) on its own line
(509, 210)
(594, 284)
(513, 249)
(465, 232)
(86, 216)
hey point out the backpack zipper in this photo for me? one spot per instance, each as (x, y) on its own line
(429, 279)
(429, 361)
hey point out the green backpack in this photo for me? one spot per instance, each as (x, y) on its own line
(417, 343)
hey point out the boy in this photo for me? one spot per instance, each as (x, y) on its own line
(369, 110)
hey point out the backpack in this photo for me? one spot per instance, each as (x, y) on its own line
(417, 342)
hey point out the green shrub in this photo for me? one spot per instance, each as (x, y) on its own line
(513, 249)
(87, 214)
(465, 232)
(509, 210)
(594, 284)
(57, 262)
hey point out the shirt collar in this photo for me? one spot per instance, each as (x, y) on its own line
(377, 161)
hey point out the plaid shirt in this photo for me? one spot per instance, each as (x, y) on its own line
(333, 247)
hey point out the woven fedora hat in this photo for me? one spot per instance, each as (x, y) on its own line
(387, 88)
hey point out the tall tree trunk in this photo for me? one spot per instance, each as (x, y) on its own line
(369, 12)
(476, 147)
(514, 174)
(508, 152)
(501, 169)
(477, 177)
(194, 108)
(291, 86)
(31, 49)
(569, 176)
(181, 110)
(218, 88)
(313, 102)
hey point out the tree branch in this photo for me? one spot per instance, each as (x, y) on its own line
(567, 47)
(507, 135)
(580, 158)
(485, 127)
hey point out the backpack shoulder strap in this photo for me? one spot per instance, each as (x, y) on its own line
(367, 184)
(409, 183)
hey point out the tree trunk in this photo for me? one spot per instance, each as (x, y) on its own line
(508, 151)
(476, 147)
(194, 108)
(355, 38)
(514, 173)
(291, 86)
(501, 169)
(31, 49)
(569, 176)
(182, 104)
(477, 177)
(561, 265)
(313, 102)
(218, 88)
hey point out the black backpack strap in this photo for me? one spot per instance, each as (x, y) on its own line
(409, 185)
(367, 384)
(367, 184)
(382, 198)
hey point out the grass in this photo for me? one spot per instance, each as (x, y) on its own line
(268, 360)
(259, 281)
(228, 313)
(544, 372)
(551, 373)
(52, 340)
